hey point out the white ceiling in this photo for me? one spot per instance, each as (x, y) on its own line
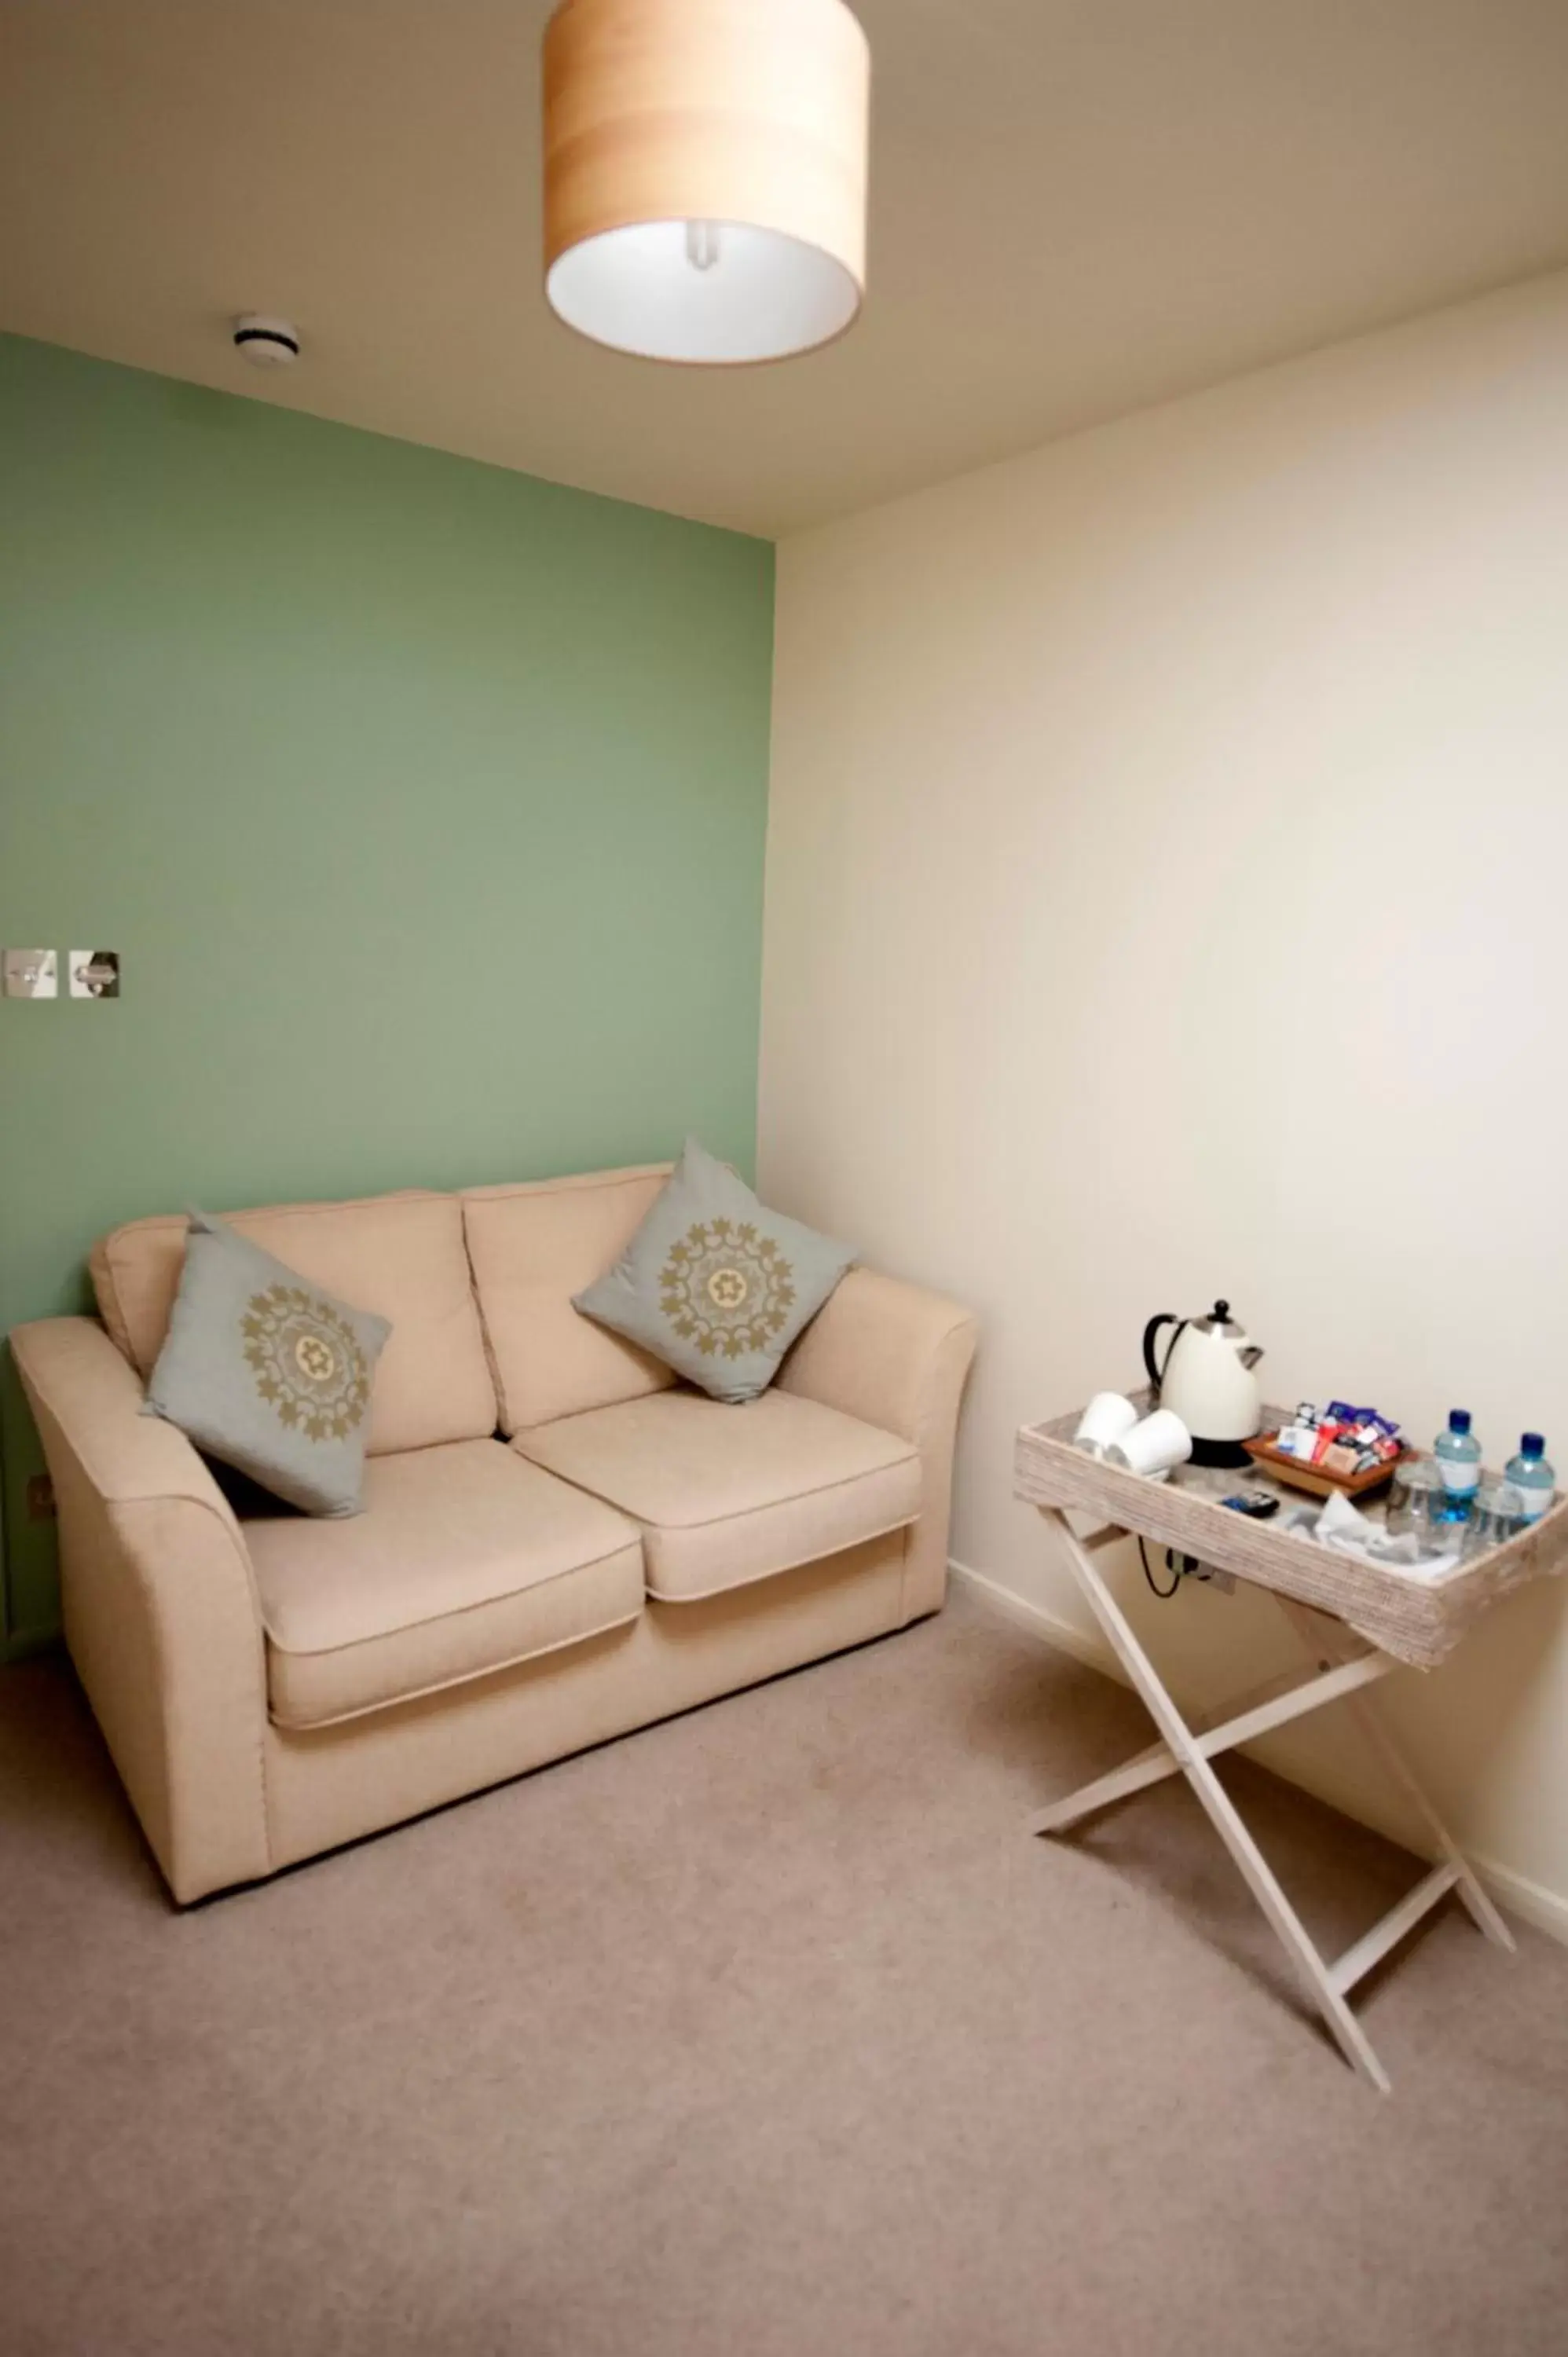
(1078, 207)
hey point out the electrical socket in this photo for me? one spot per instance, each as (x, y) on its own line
(1211, 1575)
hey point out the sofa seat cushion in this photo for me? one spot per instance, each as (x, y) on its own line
(465, 1559)
(729, 1494)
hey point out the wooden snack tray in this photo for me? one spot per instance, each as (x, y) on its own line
(1417, 1619)
(1316, 1479)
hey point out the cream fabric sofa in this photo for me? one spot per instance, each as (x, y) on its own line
(560, 1543)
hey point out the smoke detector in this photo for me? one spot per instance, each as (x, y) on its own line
(266, 343)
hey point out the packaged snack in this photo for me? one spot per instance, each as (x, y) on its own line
(1344, 1441)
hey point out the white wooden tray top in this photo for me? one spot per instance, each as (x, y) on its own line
(1417, 1620)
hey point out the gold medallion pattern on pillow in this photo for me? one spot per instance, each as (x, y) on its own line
(307, 1362)
(726, 1288)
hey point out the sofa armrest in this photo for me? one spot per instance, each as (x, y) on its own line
(896, 1357)
(160, 1608)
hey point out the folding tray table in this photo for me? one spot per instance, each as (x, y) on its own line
(1330, 1600)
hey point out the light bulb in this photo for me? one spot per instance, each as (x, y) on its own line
(702, 244)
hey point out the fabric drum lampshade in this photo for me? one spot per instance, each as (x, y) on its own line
(704, 174)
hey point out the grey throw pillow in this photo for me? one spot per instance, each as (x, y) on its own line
(267, 1372)
(714, 1284)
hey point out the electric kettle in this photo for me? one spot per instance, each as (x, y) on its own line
(1206, 1377)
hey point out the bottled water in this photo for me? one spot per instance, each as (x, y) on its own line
(1458, 1455)
(1532, 1476)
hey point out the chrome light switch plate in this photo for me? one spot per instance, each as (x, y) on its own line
(31, 973)
(94, 973)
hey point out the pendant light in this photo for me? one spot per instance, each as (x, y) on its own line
(705, 174)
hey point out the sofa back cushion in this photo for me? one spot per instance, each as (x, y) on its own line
(402, 1257)
(532, 1247)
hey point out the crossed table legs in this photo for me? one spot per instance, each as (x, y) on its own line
(1345, 1668)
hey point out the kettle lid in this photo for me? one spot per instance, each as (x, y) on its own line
(1220, 1321)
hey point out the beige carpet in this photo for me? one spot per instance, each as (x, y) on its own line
(767, 2033)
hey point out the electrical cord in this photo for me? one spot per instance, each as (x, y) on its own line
(1164, 1594)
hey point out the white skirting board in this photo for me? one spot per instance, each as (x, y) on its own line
(1531, 1901)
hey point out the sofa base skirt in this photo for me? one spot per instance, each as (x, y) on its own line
(334, 1784)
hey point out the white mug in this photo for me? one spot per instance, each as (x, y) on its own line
(1106, 1419)
(1160, 1441)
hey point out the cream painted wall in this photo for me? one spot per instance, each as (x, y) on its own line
(1165, 898)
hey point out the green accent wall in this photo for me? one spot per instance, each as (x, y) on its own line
(424, 802)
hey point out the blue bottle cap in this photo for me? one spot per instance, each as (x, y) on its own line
(1530, 1444)
(1458, 1419)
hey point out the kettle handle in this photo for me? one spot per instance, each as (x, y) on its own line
(1157, 1367)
